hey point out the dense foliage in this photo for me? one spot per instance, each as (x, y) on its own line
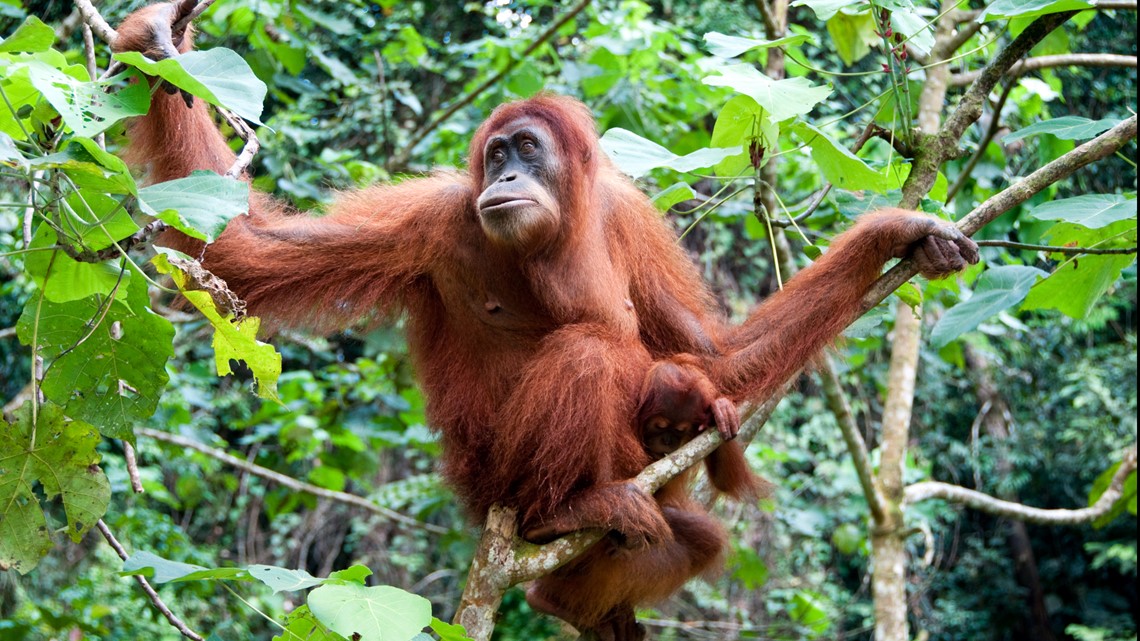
(349, 91)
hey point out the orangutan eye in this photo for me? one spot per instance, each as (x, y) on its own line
(528, 147)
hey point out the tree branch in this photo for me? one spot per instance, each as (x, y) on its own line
(1103, 145)
(985, 503)
(288, 481)
(1055, 249)
(402, 158)
(1060, 60)
(92, 18)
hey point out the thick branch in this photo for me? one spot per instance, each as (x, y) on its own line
(1006, 509)
(1061, 60)
(402, 158)
(841, 408)
(1103, 145)
(288, 481)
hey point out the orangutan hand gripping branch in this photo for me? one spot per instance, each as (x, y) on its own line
(562, 338)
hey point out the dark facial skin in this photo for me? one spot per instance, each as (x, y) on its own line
(517, 206)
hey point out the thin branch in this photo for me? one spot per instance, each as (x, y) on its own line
(98, 24)
(7, 332)
(1124, 5)
(249, 150)
(199, 7)
(288, 481)
(145, 585)
(1103, 145)
(985, 503)
(839, 405)
(402, 158)
(1054, 249)
(132, 467)
(1060, 60)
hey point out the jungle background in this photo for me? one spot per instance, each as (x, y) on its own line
(1033, 401)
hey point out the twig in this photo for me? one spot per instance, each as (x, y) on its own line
(1053, 249)
(199, 7)
(402, 158)
(98, 24)
(7, 332)
(1103, 145)
(288, 481)
(1125, 5)
(249, 150)
(985, 503)
(145, 585)
(1061, 60)
(132, 467)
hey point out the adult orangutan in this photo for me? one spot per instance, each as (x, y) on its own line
(540, 287)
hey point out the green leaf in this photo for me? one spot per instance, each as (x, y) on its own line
(199, 205)
(301, 625)
(109, 366)
(916, 29)
(379, 613)
(724, 46)
(997, 289)
(85, 106)
(1091, 210)
(1002, 9)
(1127, 500)
(806, 609)
(1076, 286)
(160, 570)
(636, 156)
(282, 579)
(448, 631)
(59, 456)
(354, 574)
(847, 538)
(842, 168)
(740, 122)
(825, 9)
(675, 193)
(218, 75)
(233, 339)
(1065, 128)
(853, 35)
(30, 37)
(63, 279)
(782, 99)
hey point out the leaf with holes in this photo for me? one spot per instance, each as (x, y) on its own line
(107, 358)
(56, 455)
(85, 106)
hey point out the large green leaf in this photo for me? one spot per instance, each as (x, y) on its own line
(30, 37)
(219, 76)
(782, 99)
(198, 205)
(233, 339)
(636, 156)
(283, 579)
(825, 9)
(63, 279)
(741, 122)
(1065, 128)
(1076, 285)
(1091, 210)
(86, 107)
(842, 168)
(724, 46)
(997, 289)
(379, 613)
(853, 35)
(1002, 9)
(109, 365)
(301, 625)
(57, 455)
(160, 570)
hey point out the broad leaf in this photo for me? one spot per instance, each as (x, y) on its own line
(678, 192)
(160, 570)
(1091, 210)
(55, 456)
(448, 631)
(379, 613)
(63, 279)
(741, 122)
(1076, 284)
(825, 9)
(636, 156)
(724, 46)
(1065, 128)
(219, 76)
(109, 365)
(30, 37)
(997, 289)
(853, 35)
(842, 168)
(199, 205)
(782, 99)
(301, 625)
